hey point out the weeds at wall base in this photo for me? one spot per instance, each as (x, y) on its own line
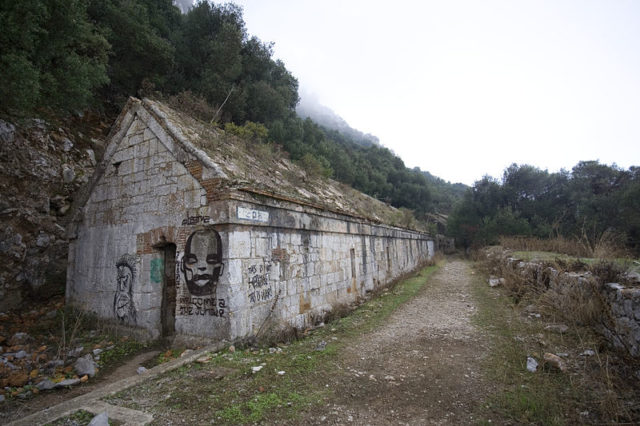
(225, 389)
(278, 333)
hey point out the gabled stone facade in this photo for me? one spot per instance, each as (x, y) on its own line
(174, 240)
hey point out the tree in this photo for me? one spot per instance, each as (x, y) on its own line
(140, 34)
(591, 200)
(51, 56)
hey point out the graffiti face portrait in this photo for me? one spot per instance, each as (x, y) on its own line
(202, 262)
(123, 306)
(125, 276)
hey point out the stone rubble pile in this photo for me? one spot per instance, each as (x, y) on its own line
(621, 302)
(34, 362)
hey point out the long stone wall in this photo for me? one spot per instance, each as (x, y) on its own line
(282, 274)
(294, 275)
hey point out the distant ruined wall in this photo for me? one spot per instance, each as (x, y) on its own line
(620, 323)
(624, 305)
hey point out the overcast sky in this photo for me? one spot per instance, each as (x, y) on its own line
(465, 88)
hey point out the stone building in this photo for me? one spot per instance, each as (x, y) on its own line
(189, 232)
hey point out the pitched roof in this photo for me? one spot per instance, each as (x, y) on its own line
(252, 167)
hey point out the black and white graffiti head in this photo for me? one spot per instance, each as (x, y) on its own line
(202, 262)
(123, 306)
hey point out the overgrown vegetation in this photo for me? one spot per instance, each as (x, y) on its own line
(595, 206)
(77, 329)
(607, 246)
(595, 389)
(78, 418)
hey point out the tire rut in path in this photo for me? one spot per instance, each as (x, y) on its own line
(421, 367)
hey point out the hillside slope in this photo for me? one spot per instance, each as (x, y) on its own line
(42, 165)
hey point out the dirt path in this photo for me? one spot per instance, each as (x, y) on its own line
(419, 368)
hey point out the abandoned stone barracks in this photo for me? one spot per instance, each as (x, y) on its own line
(189, 232)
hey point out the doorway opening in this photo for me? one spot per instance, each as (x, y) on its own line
(168, 290)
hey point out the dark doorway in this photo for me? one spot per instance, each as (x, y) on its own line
(169, 290)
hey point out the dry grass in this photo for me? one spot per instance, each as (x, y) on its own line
(608, 245)
(578, 303)
(605, 383)
(192, 105)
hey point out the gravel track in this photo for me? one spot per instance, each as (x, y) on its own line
(421, 367)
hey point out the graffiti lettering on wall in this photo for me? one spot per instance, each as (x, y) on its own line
(202, 306)
(259, 284)
(123, 306)
(194, 220)
(202, 262)
(261, 295)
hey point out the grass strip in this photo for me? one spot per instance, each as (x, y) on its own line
(544, 397)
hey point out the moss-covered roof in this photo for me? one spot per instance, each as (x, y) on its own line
(264, 169)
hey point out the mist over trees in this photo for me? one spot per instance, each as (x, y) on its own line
(65, 56)
(585, 202)
(309, 107)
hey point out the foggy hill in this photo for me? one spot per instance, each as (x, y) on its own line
(309, 107)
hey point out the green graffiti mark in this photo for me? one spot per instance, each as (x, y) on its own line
(157, 265)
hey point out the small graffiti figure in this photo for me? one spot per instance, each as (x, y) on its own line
(202, 262)
(123, 306)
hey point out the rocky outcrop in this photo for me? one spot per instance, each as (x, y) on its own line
(41, 166)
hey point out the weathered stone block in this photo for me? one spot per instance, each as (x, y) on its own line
(240, 244)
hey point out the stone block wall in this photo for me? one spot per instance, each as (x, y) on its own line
(143, 183)
(142, 193)
(624, 306)
(293, 276)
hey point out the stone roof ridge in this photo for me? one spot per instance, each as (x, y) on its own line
(181, 138)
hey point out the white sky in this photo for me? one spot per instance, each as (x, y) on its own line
(465, 88)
